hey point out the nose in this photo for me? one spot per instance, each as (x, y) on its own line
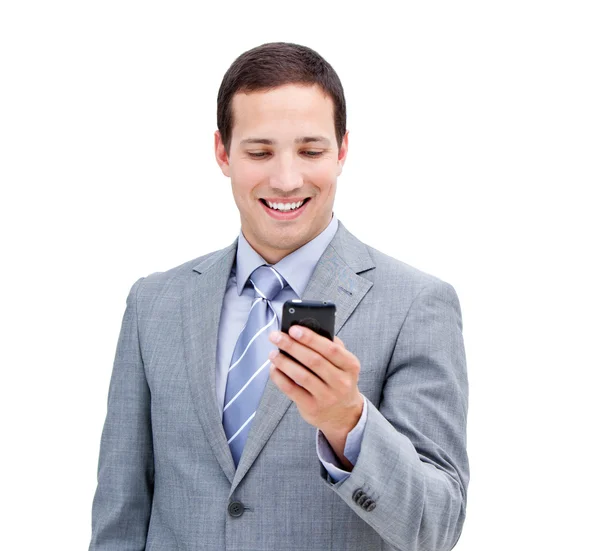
(285, 175)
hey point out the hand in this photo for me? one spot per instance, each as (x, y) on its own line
(329, 398)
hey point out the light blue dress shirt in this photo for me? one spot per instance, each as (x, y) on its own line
(297, 268)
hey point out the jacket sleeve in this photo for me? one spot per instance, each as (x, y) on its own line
(123, 499)
(410, 480)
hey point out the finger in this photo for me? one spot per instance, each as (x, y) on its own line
(334, 352)
(320, 367)
(292, 390)
(298, 374)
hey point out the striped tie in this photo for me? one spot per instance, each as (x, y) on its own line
(248, 372)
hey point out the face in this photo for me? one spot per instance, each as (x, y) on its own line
(283, 149)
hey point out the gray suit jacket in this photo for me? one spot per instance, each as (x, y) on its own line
(166, 479)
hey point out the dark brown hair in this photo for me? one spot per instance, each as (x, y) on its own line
(275, 64)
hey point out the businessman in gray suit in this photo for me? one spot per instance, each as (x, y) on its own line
(214, 439)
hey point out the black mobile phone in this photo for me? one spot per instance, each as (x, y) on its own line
(318, 315)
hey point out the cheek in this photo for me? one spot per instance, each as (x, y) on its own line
(245, 177)
(323, 175)
(253, 171)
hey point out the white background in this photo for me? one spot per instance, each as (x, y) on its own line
(474, 156)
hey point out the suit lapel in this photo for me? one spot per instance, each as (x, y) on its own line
(201, 305)
(335, 278)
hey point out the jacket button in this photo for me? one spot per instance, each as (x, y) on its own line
(370, 507)
(362, 499)
(358, 493)
(236, 508)
(367, 504)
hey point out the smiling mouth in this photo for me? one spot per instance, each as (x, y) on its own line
(306, 200)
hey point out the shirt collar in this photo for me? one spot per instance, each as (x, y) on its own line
(296, 267)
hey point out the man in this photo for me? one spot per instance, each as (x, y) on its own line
(203, 447)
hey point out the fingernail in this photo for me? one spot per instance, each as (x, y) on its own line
(295, 332)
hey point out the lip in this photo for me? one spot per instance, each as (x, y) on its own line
(284, 201)
(277, 215)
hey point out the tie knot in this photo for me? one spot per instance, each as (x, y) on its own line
(267, 282)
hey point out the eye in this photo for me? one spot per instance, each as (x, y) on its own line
(260, 155)
(313, 153)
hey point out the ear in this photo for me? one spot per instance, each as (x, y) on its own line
(221, 154)
(343, 152)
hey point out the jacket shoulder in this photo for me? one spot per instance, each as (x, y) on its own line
(403, 277)
(175, 277)
(393, 266)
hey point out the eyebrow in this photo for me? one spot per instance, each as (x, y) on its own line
(304, 139)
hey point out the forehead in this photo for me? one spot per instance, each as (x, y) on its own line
(285, 110)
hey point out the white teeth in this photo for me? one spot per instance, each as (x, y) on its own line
(285, 206)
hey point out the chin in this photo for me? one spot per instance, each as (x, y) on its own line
(285, 242)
